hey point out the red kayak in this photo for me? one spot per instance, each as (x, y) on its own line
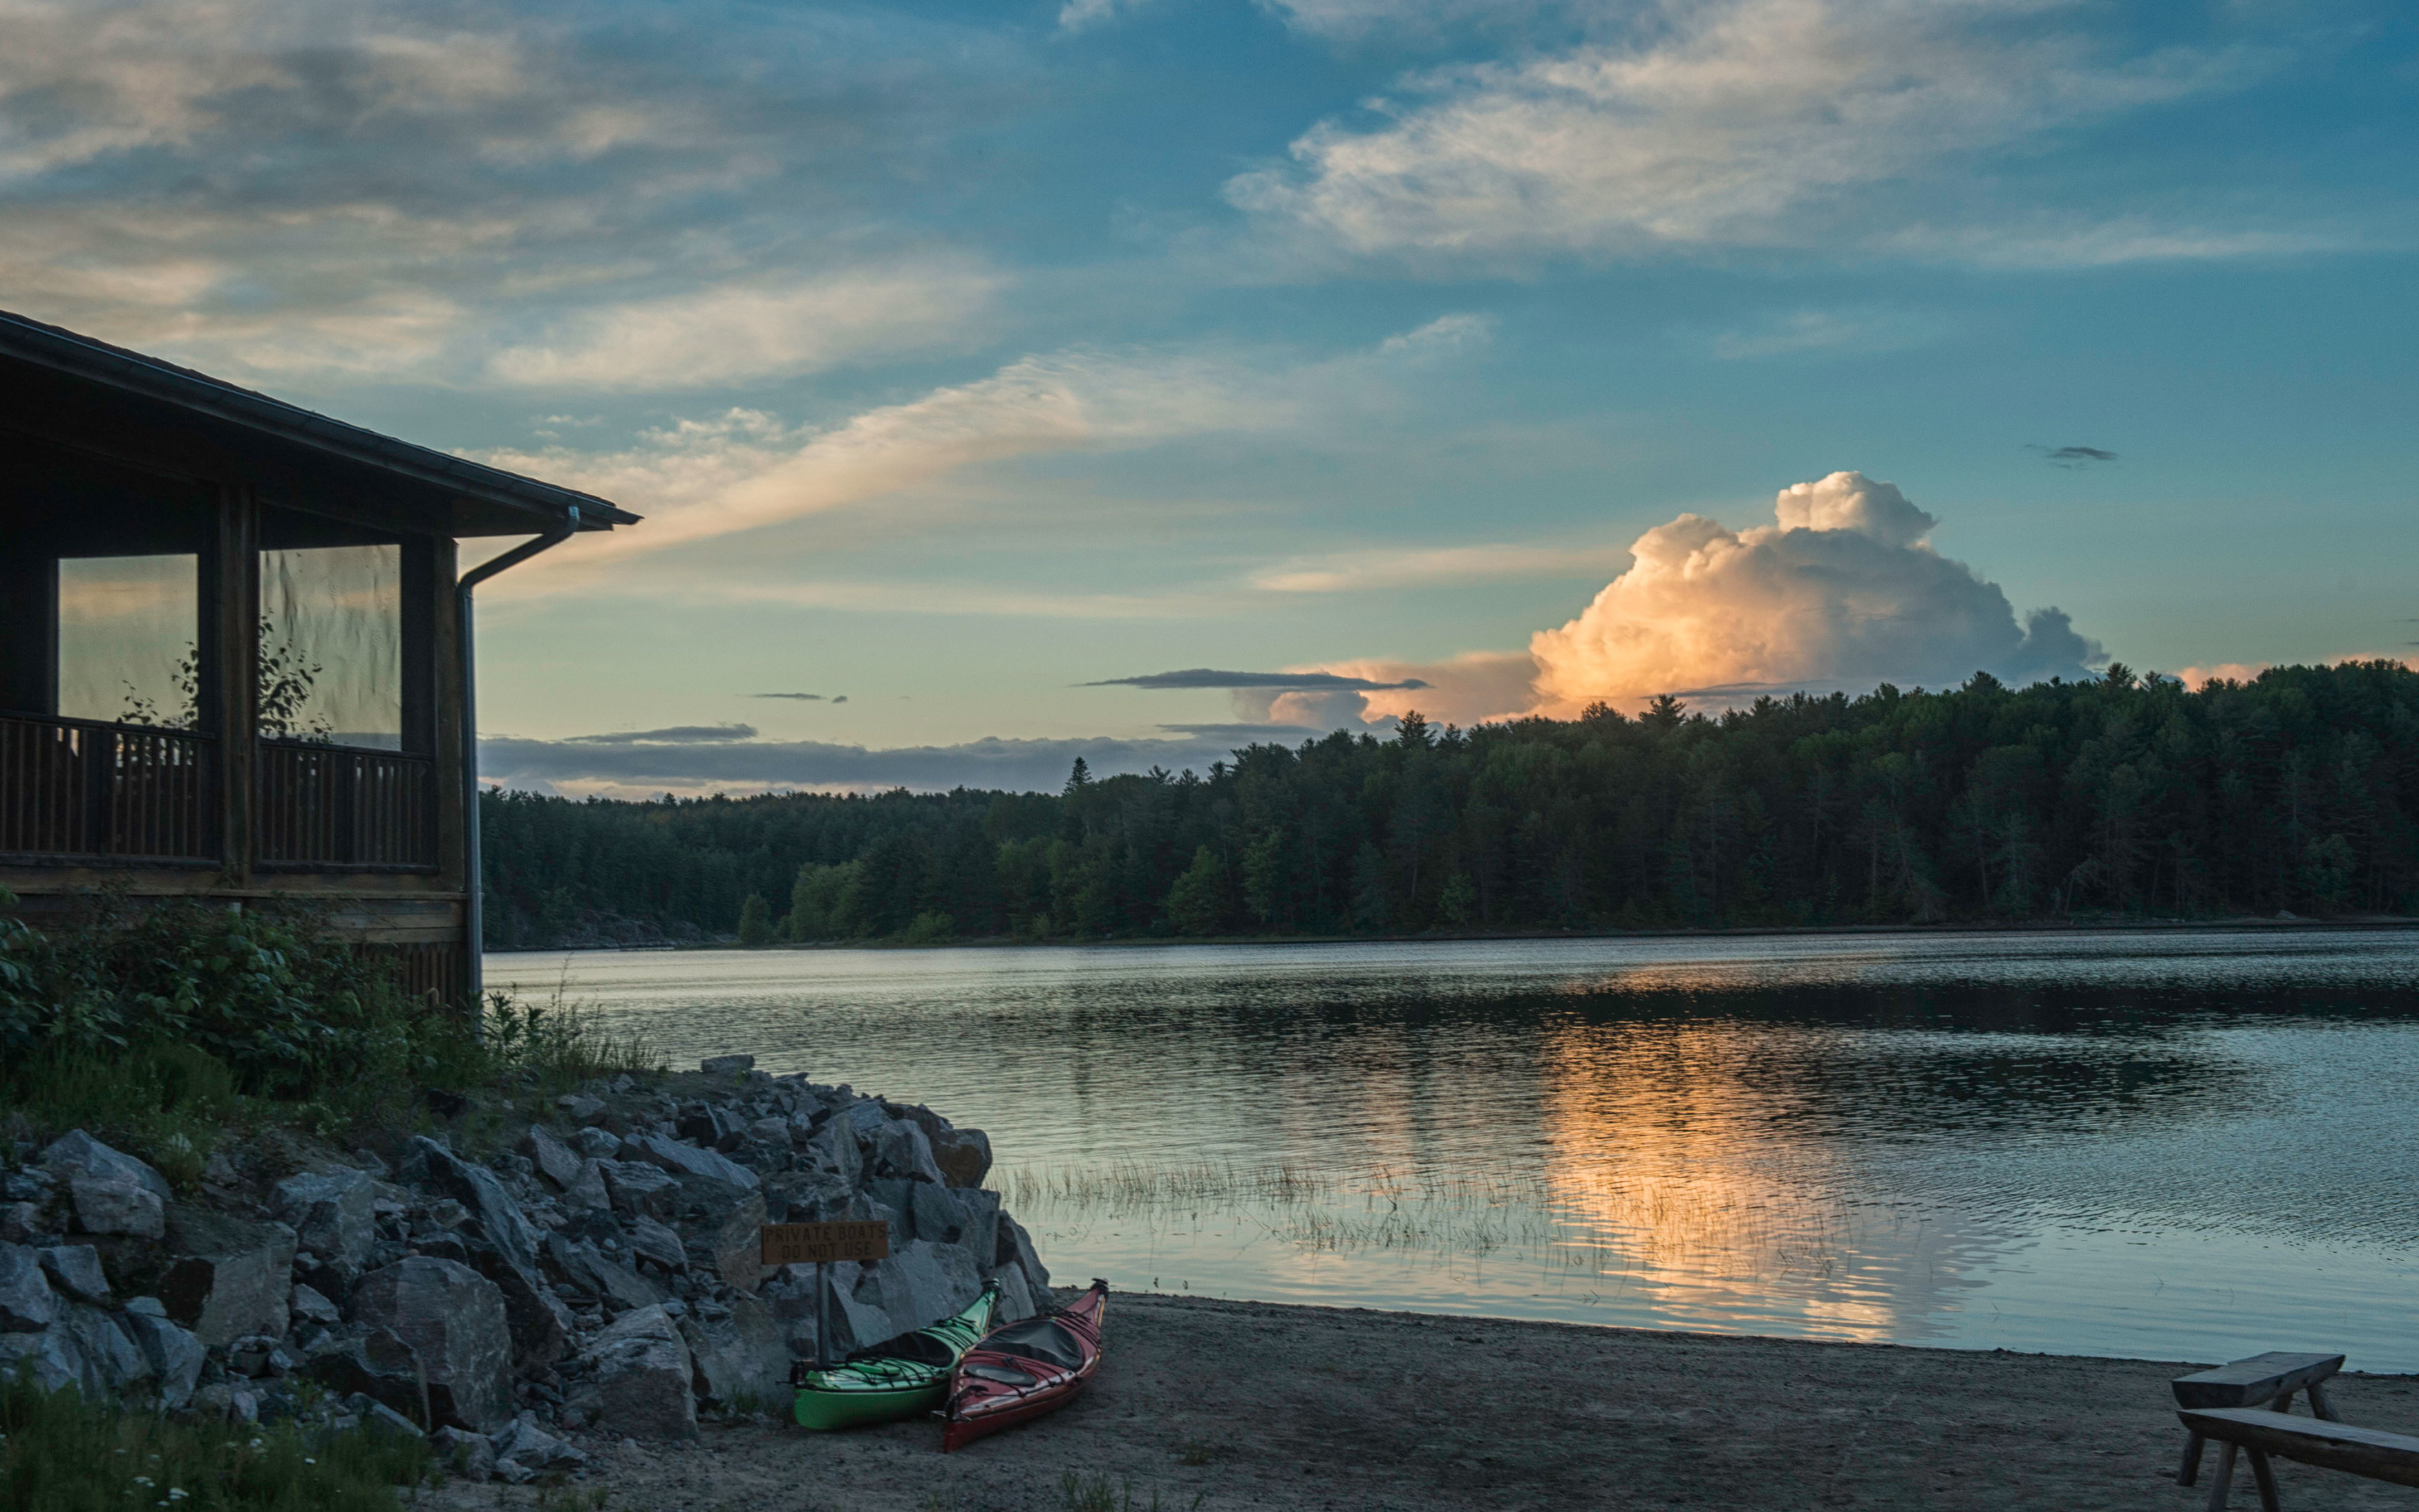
(1021, 1370)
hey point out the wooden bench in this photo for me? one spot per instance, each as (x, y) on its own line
(2267, 1381)
(2369, 1451)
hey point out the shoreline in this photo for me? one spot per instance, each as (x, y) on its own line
(1216, 1405)
(2374, 923)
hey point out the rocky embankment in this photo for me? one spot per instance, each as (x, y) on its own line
(598, 1274)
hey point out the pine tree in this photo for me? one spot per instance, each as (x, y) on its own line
(755, 922)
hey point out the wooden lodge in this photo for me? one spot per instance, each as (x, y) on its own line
(235, 650)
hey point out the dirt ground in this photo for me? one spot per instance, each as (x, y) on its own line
(1213, 1405)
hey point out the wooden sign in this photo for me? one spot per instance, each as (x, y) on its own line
(820, 1244)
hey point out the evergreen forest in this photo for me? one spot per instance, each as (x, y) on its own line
(2120, 796)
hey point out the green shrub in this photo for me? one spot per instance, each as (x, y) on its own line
(61, 1454)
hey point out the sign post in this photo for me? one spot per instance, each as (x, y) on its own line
(820, 1244)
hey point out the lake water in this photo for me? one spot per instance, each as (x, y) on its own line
(2159, 1145)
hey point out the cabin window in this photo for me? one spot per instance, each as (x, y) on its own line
(332, 645)
(129, 634)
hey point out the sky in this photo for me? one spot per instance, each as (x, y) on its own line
(1003, 382)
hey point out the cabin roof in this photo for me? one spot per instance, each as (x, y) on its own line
(26, 340)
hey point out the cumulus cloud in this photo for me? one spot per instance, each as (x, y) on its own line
(1741, 122)
(1843, 588)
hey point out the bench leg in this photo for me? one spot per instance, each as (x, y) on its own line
(2191, 1470)
(2320, 1405)
(2223, 1481)
(2267, 1479)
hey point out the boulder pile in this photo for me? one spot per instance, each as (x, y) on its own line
(594, 1269)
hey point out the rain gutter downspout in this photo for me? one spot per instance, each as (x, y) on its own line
(473, 901)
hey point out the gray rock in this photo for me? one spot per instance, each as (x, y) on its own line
(1015, 1295)
(597, 1144)
(589, 1271)
(980, 1235)
(113, 1362)
(739, 1243)
(175, 1355)
(20, 1223)
(654, 1242)
(306, 1305)
(865, 1117)
(642, 1371)
(52, 1358)
(579, 1107)
(637, 1188)
(937, 1213)
(376, 1413)
(80, 1154)
(332, 1213)
(524, 1446)
(689, 1161)
(770, 1132)
(555, 1161)
(75, 1269)
(1016, 1245)
(744, 1360)
(726, 1065)
(30, 1184)
(964, 1156)
(28, 1304)
(900, 1149)
(540, 1326)
(921, 1285)
(477, 1189)
(833, 1150)
(587, 1191)
(452, 1318)
(379, 1364)
(108, 1206)
(229, 1277)
(471, 1456)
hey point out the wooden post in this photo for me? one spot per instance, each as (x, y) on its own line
(235, 626)
(822, 1315)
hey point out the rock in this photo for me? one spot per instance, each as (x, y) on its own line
(331, 1214)
(106, 1206)
(597, 1144)
(540, 1326)
(654, 1242)
(921, 1284)
(478, 1191)
(20, 1223)
(377, 1365)
(833, 1148)
(28, 1304)
(689, 1161)
(739, 1243)
(726, 1065)
(743, 1360)
(306, 1305)
(29, 1186)
(175, 1355)
(524, 1446)
(111, 1360)
(1015, 1295)
(51, 1357)
(980, 1235)
(900, 1149)
(75, 1269)
(376, 1413)
(79, 1154)
(964, 1156)
(471, 1456)
(587, 1190)
(555, 1161)
(865, 1117)
(588, 1270)
(936, 1213)
(452, 1318)
(229, 1277)
(637, 1188)
(643, 1370)
(772, 1132)
(1016, 1245)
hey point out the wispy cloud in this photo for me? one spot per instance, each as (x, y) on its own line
(679, 734)
(1207, 677)
(2072, 457)
(1381, 568)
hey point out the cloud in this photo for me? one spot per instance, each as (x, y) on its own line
(591, 764)
(1362, 571)
(754, 330)
(1827, 331)
(1843, 588)
(1204, 677)
(679, 734)
(1743, 123)
(804, 697)
(2197, 678)
(2072, 456)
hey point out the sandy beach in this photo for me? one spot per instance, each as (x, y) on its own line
(1215, 1405)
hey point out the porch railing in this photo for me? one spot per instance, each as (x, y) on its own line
(323, 806)
(74, 788)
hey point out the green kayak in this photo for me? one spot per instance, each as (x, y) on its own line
(897, 1378)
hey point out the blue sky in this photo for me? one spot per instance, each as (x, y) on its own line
(961, 356)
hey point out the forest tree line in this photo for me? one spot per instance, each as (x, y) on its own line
(2117, 796)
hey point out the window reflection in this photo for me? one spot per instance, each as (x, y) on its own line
(127, 639)
(332, 645)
